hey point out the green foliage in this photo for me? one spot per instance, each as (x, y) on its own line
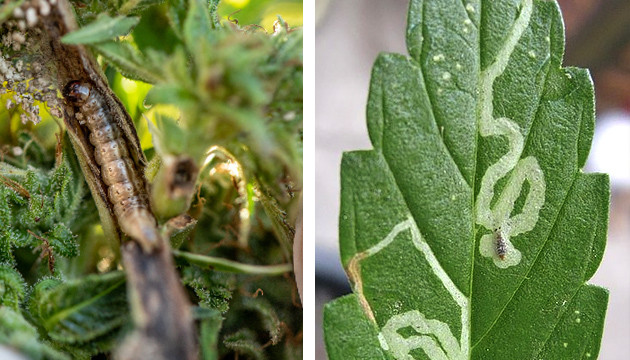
(211, 321)
(17, 333)
(244, 342)
(237, 88)
(270, 320)
(37, 202)
(210, 84)
(213, 289)
(127, 60)
(470, 230)
(102, 29)
(12, 287)
(82, 310)
(233, 87)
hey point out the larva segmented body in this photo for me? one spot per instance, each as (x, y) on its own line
(125, 185)
(501, 246)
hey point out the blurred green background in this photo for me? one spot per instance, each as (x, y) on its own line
(262, 12)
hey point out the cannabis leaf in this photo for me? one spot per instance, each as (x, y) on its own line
(12, 287)
(102, 29)
(244, 342)
(82, 314)
(211, 321)
(469, 230)
(37, 202)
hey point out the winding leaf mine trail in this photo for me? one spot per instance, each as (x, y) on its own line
(437, 339)
(498, 217)
(161, 311)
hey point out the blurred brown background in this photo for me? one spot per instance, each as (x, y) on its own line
(350, 34)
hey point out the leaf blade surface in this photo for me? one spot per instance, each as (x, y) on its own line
(469, 230)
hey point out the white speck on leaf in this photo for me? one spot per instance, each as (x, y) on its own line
(438, 57)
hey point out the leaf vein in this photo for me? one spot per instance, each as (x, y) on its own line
(64, 313)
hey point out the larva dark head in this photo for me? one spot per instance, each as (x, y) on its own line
(76, 92)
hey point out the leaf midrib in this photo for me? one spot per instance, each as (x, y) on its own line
(58, 317)
(473, 182)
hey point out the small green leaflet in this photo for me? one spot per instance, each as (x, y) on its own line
(128, 60)
(104, 28)
(469, 231)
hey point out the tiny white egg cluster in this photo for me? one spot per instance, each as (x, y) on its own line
(23, 70)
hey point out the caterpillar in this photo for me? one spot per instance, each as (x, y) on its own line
(124, 182)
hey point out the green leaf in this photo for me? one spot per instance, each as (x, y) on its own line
(244, 342)
(213, 6)
(341, 334)
(211, 322)
(12, 287)
(81, 310)
(154, 31)
(197, 27)
(470, 230)
(41, 201)
(104, 28)
(178, 229)
(280, 224)
(136, 6)
(63, 242)
(213, 289)
(270, 320)
(167, 136)
(170, 94)
(127, 60)
(34, 151)
(18, 334)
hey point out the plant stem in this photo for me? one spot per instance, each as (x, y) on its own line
(220, 264)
